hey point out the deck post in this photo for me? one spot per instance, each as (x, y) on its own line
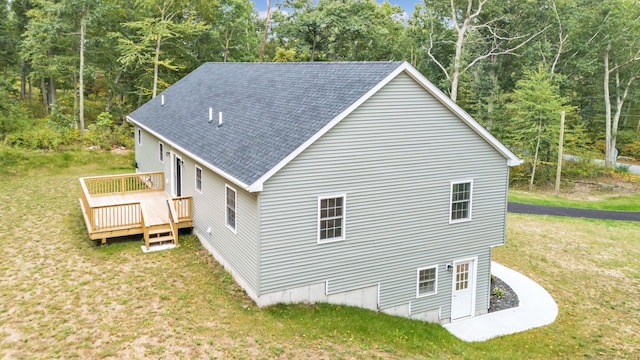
(104, 241)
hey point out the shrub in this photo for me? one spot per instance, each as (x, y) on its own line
(584, 168)
(622, 168)
(632, 150)
(105, 134)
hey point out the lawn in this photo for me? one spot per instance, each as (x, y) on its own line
(62, 295)
(601, 201)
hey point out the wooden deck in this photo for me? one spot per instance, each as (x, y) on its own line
(121, 205)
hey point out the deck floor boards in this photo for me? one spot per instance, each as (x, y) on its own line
(154, 204)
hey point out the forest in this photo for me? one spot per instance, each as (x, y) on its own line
(71, 70)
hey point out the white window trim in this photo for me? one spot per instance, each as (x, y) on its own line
(226, 208)
(344, 219)
(453, 221)
(435, 285)
(161, 148)
(195, 183)
(139, 137)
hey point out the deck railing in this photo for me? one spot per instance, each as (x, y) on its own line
(115, 184)
(127, 217)
(118, 216)
(182, 206)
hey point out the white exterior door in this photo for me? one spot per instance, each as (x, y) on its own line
(464, 286)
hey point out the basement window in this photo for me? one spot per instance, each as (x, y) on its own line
(427, 281)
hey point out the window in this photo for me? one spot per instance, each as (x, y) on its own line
(427, 281)
(461, 201)
(462, 276)
(198, 179)
(230, 207)
(139, 137)
(161, 146)
(331, 218)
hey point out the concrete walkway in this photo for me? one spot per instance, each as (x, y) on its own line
(537, 308)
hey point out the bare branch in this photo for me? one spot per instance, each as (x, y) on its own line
(475, 14)
(495, 51)
(431, 55)
(632, 60)
(453, 17)
(561, 39)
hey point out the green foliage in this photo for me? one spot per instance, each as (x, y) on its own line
(625, 137)
(60, 120)
(584, 168)
(622, 168)
(43, 138)
(632, 150)
(105, 134)
(498, 292)
(329, 31)
(530, 120)
(284, 55)
(13, 117)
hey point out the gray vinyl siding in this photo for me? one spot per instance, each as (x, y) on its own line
(148, 153)
(239, 250)
(395, 157)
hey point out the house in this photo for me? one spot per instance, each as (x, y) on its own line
(348, 183)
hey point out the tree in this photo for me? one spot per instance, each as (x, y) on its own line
(466, 19)
(531, 119)
(266, 31)
(328, 30)
(620, 57)
(48, 48)
(164, 20)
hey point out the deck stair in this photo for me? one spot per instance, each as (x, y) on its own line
(163, 232)
(160, 234)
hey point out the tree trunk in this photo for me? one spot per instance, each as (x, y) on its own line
(226, 47)
(607, 111)
(53, 98)
(313, 50)
(43, 91)
(266, 31)
(112, 94)
(155, 66)
(83, 28)
(455, 74)
(535, 157)
(23, 80)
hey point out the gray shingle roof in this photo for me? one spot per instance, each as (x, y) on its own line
(268, 109)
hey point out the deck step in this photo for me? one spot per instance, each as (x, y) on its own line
(159, 239)
(157, 231)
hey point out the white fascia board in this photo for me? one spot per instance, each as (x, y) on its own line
(189, 154)
(258, 185)
(512, 159)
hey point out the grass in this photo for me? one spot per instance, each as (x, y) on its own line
(62, 295)
(627, 202)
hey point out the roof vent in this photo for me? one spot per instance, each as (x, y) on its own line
(210, 114)
(161, 100)
(220, 119)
